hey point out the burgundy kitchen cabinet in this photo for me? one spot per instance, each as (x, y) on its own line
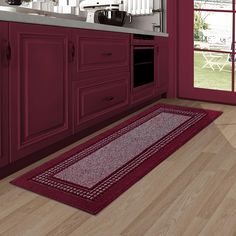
(99, 101)
(100, 53)
(56, 82)
(162, 65)
(39, 87)
(149, 74)
(4, 159)
(143, 74)
(101, 86)
(142, 94)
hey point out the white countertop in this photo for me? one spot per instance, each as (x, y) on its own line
(47, 20)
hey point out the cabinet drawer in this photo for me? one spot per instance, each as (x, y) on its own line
(100, 99)
(142, 94)
(102, 53)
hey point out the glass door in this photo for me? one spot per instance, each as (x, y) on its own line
(207, 50)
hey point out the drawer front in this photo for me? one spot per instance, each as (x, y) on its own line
(142, 94)
(100, 99)
(102, 53)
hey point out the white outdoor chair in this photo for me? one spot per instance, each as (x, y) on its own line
(226, 62)
(212, 60)
(216, 61)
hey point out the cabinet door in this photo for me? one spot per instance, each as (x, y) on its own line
(39, 87)
(3, 94)
(162, 65)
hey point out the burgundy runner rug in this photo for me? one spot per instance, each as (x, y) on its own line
(93, 174)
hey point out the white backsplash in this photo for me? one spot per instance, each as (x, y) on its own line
(3, 3)
(138, 7)
(146, 22)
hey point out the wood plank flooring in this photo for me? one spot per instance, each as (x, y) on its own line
(191, 193)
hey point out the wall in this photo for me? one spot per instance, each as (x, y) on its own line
(3, 3)
(172, 29)
(145, 22)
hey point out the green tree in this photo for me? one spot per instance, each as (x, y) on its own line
(200, 22)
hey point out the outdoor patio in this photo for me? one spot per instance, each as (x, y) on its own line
(209, 78)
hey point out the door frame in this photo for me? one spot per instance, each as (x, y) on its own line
(172, 30)
(4, 100)
(185, 52)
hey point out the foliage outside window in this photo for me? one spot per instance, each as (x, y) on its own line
(199, 25)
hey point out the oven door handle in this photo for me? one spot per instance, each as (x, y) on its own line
(143, 47)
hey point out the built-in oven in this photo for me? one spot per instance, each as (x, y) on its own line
(143, 65)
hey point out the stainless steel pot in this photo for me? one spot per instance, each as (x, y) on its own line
(14, 2)
(110, 17)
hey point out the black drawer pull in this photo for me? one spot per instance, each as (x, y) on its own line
(71, 51)
(107, 53)
(8, 51)
(108, 99)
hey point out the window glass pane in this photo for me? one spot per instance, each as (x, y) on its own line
(213, 4)
(213, 70)
(213, 30)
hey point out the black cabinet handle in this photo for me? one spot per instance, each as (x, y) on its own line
(71, 51)
(8, 51)
(109, 98)
(107, 53)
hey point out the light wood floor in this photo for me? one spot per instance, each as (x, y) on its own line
(191, 193)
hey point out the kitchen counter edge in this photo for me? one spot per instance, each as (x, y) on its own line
(46, 20)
